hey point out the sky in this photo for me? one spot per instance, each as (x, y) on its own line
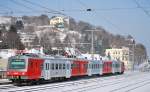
(122, 17)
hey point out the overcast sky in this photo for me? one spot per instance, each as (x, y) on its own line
(116, 16)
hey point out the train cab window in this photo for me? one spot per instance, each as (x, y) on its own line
(60, 66)
(63, 66)
(17, 64)
(56, 66)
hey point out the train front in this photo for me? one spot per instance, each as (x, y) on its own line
(17, 69)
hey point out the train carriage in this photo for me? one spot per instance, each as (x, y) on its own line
(34, 69)
(115, 66)
(95, 67)
(24, 68)
(79, 67)
(55, 68)
(107, 67)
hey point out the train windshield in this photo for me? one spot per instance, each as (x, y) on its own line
(17, 64)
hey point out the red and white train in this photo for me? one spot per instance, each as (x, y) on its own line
(33, 69)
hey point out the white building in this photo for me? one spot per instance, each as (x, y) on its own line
(5, 20)
(121, 54)
(59, 22)
(27, 39)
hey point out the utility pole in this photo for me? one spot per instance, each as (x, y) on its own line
(92, 41)
(133, 55)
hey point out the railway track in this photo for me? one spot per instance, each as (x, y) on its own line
(120, 89)
(5, 87)
(119, 79)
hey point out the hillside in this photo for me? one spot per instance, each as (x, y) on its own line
(50, 37)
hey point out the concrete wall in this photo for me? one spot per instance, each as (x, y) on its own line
(3, 67)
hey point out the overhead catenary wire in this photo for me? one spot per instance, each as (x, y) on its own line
(21, 4)
(142, 8)
(101, 10)
(48, 9)
(89, 9)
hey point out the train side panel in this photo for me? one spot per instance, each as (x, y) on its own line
(79, 67)
(107, 67)
(34, 70)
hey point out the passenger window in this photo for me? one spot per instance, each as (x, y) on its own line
(63, 66)
(52, 67)
(71, 66)
(45, 66)
(68, 66)
(56, 66)
(60, 66)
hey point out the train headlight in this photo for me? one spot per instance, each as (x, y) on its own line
(23, 73)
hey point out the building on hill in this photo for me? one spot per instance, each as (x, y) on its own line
(5, 22)
(27, 39)
(122, 54)
(59, 22)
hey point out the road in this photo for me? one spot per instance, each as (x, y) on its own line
(127, 82)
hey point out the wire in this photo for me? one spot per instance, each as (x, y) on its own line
(5, 7)
(88, 9)
(49, 10)
(20, 4)
(142, 8)
(83, 4)
(97, 10)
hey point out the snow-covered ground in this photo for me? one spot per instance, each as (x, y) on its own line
(128, 82)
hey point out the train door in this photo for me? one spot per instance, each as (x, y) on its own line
(47, 69)
(68, 69)
(62, 64)
(113, 67)
(120, 67)
(101, 67)
(89, 69)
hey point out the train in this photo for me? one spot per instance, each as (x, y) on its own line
(32, 69)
